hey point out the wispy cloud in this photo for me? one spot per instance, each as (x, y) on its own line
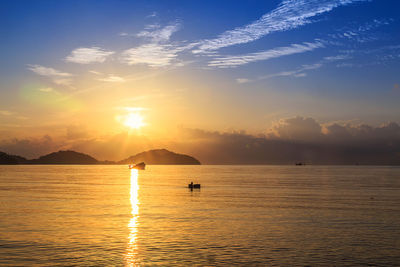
(233, 61)
(58, 77)
(50, 72)
(299, 72)
(157, 34)
(242, 80)
(113, 79)
(361, 33)
(95, 72)
(88, 55)
(158, 51)
(288, 15)
(65, 82)
(358, 34)
(153, 54)
(372, 57)
(152, 15)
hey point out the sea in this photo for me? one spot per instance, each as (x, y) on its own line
(70, 215)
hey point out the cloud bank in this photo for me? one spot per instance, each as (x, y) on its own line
(288, 141)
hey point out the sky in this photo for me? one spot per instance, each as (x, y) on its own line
(112, 78)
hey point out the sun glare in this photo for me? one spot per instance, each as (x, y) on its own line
(134, 121)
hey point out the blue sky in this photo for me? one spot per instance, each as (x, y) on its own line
(222, 64)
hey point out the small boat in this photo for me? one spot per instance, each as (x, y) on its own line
(139, 166)
(192, 185)
(300, 164)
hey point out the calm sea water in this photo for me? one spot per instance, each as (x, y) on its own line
(245, 215)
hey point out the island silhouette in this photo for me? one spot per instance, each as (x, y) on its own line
(151, 157)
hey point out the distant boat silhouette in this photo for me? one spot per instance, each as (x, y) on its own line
(300, 163)
(139, 166)
(192, 185)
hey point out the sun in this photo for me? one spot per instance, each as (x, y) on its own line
(134, 121)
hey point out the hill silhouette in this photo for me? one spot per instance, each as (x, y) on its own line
(157, 156)
(65, 157)
(11, 159)
(161, 157)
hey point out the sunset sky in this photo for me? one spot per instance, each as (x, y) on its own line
(112, 78)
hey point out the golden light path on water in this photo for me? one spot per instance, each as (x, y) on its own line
(131, 252)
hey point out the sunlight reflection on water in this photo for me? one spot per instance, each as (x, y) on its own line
(131, 252)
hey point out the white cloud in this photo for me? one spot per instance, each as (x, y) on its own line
(85, 55)
(95, 72)
(242, 80)
(336, 58)
(66, 82)
(288, 15)
(158, 35)
(50, 72)
(158, 51)
(298, 75)
(154, 55)
(113, 79)
(182, 63)
(152, 26)
(58, 77)
(152, 15)
(352, 34)
(300, 72)
(233, 61)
